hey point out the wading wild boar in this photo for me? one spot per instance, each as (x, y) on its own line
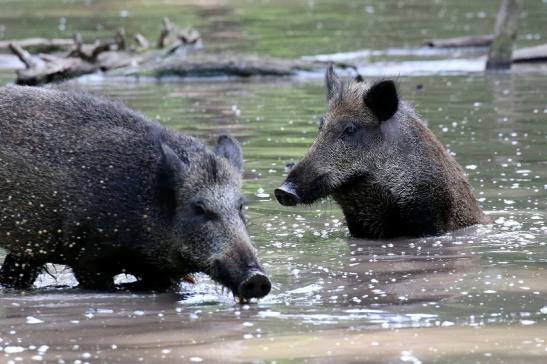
(88, 183)
(382, 165)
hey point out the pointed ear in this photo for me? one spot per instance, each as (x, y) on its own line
(171, 169)
(332, 83)
(229, 148)
(382, 99)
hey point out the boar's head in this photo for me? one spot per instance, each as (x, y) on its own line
(204, 213)
(354, 138)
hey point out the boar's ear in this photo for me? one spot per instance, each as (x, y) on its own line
(382, 99)
(332, 82)
(170, 173)
(229, 148)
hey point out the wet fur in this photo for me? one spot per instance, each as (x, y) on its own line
(391, 177)
(82, 185)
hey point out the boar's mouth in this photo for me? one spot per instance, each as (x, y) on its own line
(291, 193)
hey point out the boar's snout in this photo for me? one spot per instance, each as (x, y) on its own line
(245, 279)
(286, 194)
(256, 285)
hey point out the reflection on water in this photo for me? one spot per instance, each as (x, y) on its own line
(399, 299)
(281, 28)
(475, 295)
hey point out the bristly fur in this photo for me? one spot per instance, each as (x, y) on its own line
(388, 172)
(89, 183)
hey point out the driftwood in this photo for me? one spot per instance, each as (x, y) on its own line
(461, 42)
(48, 68)
(142, 42)
(530, 54)
(39, 44)
(166, 28)
(106, 55)
(173, 38)
(501, 49)
(203, 65)
(80, 60)
(120, 39)
(116, 58)
(89, 52)
(112, 60)
(23, 55)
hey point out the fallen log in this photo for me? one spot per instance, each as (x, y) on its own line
(531, 54)
(205, 65)
(41, 45)
(112, 58)
(81, 60)
(54, 70)
(461, 42)
(48, 68)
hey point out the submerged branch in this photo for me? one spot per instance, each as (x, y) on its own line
(501, 49)
(460, 42)
(530, 54)
(23, 55)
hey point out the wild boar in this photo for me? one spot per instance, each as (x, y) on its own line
(388, 172)
(91, 184)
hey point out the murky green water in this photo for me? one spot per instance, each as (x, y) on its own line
(281, 28)
(477, 295)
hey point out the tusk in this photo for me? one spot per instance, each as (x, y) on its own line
(189, 278)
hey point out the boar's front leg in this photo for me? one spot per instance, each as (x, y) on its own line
(89, 277)
(19, 272)
(149, 280)
(152, 285)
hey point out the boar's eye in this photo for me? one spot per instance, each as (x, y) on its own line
(201, 210)
(350, 129)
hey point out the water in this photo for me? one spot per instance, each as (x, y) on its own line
(476, 295)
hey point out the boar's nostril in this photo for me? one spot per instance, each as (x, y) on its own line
(265, 287)
(286, 195)
(255, 286)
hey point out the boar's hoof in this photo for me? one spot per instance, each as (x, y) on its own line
(257, 285)
(286, 195)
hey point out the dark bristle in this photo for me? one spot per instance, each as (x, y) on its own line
(211, 166)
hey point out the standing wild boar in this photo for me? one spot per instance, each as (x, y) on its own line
(383, 166)
(88, 183)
